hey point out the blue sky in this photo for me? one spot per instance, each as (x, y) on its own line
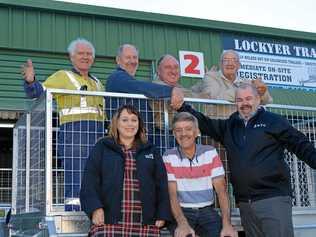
(285, 14)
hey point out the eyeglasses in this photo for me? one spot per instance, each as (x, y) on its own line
(183, 130)
(230, 61)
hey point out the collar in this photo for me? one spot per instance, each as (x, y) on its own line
(183, 156)
(109, 142)
(121, 69)
(161, 82)
(74, 70)
(260, 110)
(235, 82)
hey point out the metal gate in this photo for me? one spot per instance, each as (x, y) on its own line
(39, 172)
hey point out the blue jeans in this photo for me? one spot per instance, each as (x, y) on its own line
(206, 222)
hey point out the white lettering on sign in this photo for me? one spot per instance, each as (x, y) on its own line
(191, 64)
(262, 47)
(305, 52)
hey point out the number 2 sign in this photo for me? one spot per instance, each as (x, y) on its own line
(191, 64)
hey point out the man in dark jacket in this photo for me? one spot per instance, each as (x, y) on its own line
(123, 80)
(255, 140)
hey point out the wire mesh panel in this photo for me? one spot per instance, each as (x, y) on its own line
(78, 122)
(74, 133)
(152, 113)
(302, 176)
(5, 185)
(29, 161)
(19, 166)
(217, 110)
(6, 166)
(37, 158)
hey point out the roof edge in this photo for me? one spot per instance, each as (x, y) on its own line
(159, 18)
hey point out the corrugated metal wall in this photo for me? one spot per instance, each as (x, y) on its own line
(43, 35)
(35, 29)
(12, 95)
(43, 28)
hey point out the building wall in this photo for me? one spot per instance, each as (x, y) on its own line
(44, 35)
(42, 29)
(51, 30)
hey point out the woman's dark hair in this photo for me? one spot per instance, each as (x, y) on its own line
(140, 136)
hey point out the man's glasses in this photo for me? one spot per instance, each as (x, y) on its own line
(230, 61)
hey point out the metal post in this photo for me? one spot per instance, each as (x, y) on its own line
(49, 152)
(166, 119)
(27, 162)
(15, 169)
(153, 70)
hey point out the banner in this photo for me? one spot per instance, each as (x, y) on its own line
(284, 64)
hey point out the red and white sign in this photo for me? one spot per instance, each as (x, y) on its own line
(191, 64)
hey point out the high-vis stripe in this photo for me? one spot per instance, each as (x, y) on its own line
(97, 82)
(83, 99)
(73, 80)
(80, 110)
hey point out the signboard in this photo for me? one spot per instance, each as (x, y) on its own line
(284, 64)
(191, 64)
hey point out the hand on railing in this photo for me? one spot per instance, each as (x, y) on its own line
(177, 97)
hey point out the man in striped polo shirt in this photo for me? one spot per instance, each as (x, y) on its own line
(193, 170)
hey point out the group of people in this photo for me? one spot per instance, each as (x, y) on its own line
(128, 189)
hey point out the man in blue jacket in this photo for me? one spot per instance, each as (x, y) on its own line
(255, 140)
(123, 80)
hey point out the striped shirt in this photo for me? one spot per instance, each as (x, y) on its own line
(194, 177)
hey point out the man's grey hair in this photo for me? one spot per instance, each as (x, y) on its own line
(245, 85)
(73, 46)
(122, 47)
(163, 57)
(184, 116)
(230, 51)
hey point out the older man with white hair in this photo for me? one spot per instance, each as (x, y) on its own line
(222, 84)
(80, 117)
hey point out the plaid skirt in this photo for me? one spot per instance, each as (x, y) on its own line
(124, 230)
(131, 223)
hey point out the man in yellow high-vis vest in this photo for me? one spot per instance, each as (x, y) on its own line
(81, 118)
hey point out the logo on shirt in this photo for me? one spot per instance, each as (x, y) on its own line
(149, 156)
(259, 125)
